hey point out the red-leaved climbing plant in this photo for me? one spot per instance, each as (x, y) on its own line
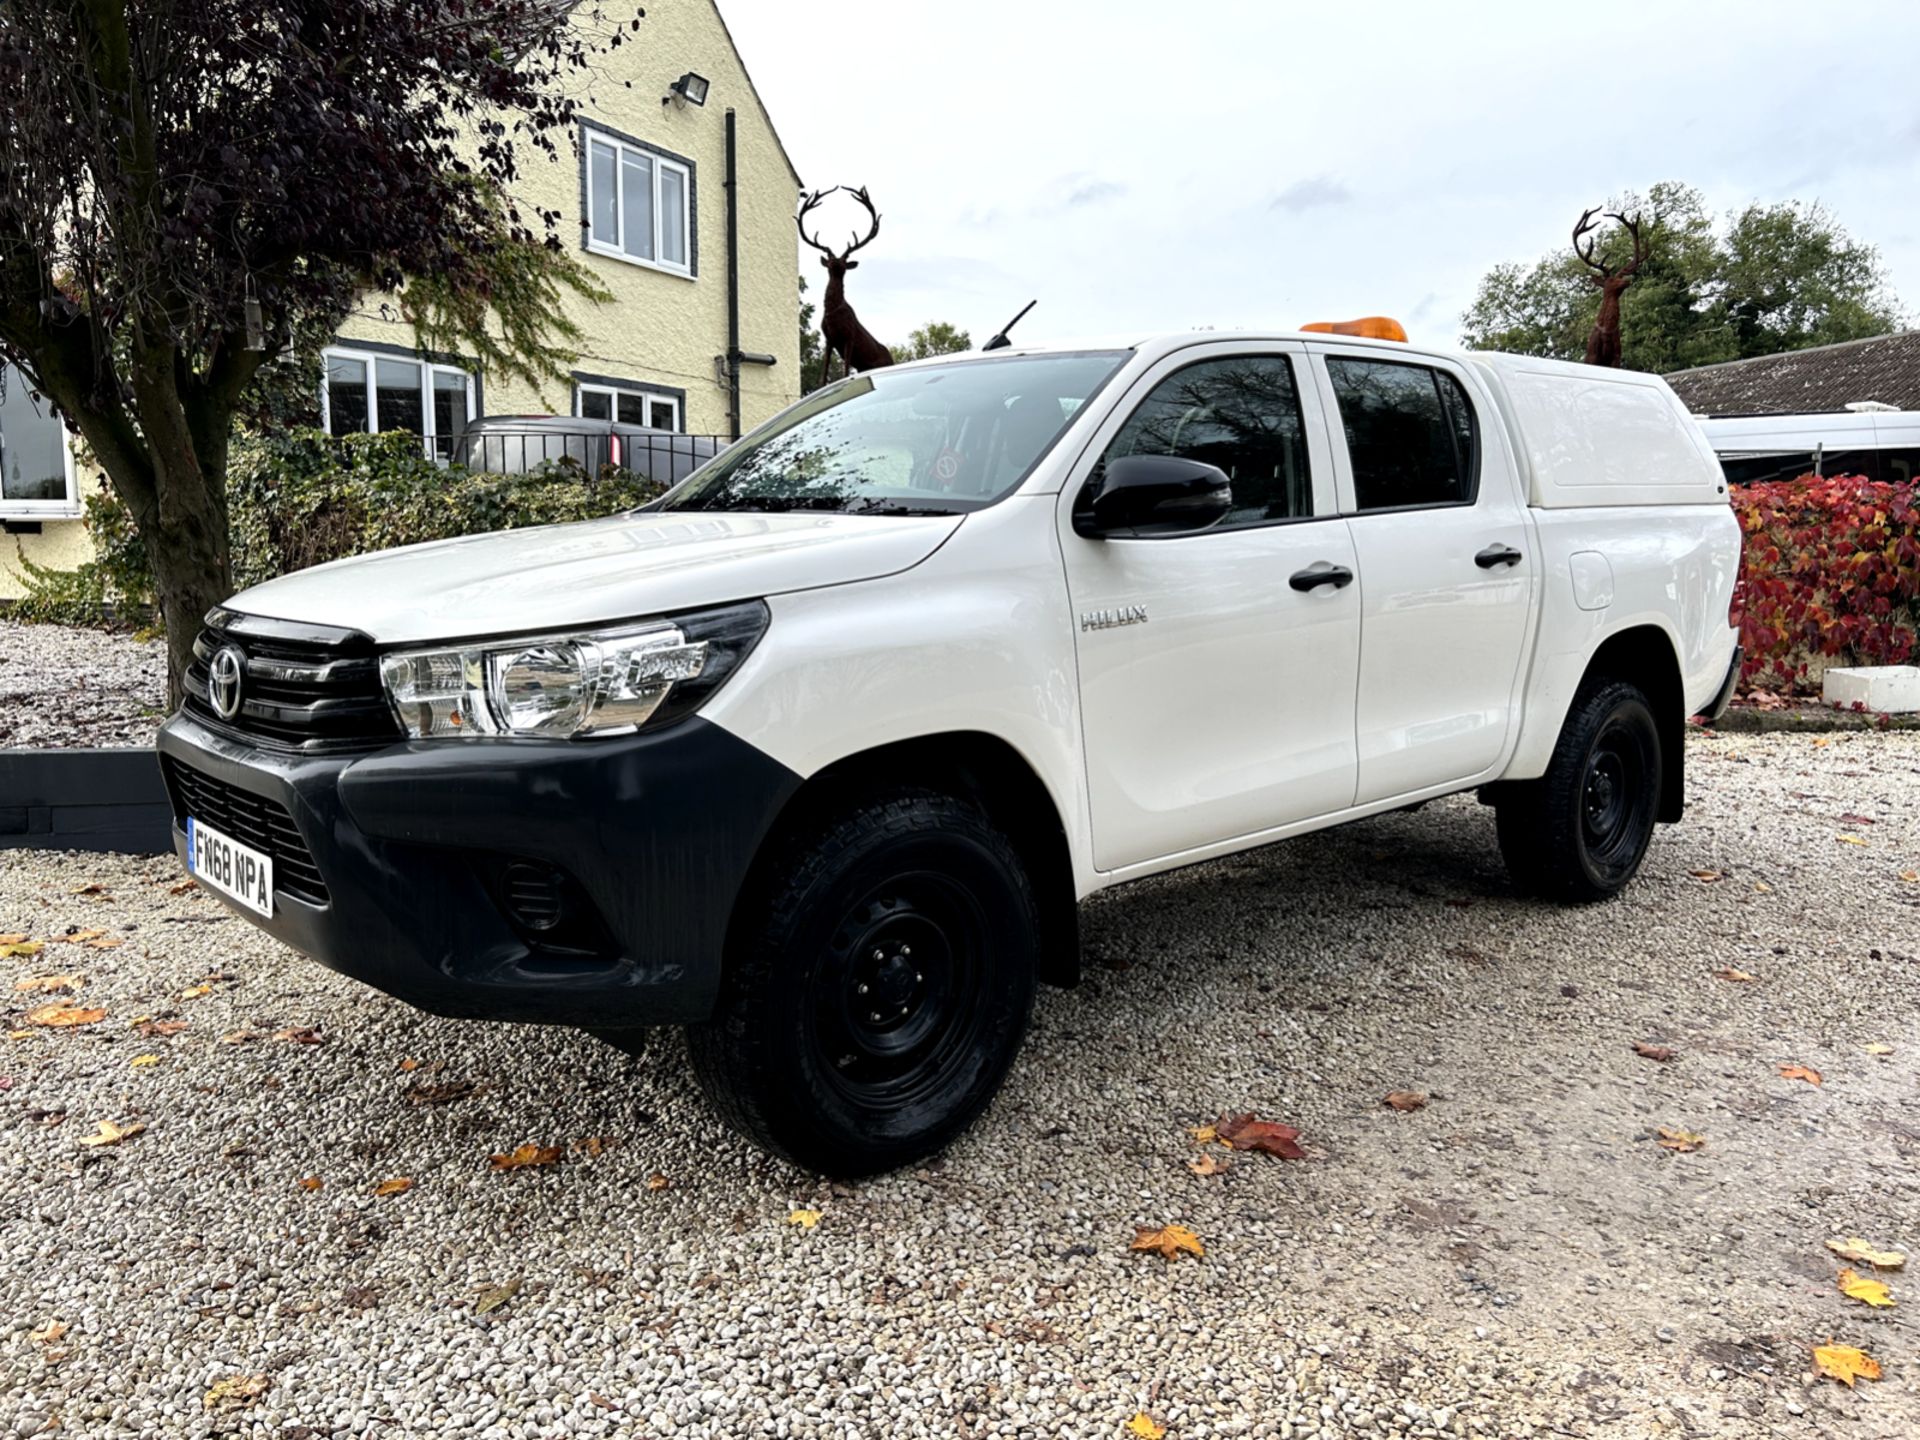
(1831, 568)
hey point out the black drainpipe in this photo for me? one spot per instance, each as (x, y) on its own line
(736, 357)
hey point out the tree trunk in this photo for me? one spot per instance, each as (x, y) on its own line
(189, 552)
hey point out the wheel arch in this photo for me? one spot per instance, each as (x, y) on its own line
(971, 765)
(1645, 656)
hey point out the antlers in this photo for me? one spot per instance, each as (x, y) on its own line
(1604, 267)
(854, 242)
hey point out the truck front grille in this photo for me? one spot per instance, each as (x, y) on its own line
(254, 820)
(301, 687)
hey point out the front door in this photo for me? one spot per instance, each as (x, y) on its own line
(1445, 557)
(1216, 693)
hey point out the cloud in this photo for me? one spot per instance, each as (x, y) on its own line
(1091, 192)
(1312, 194)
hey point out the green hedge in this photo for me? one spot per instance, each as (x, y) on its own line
(302, 497)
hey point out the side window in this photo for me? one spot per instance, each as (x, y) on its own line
(1411, 434)
(1241, 414)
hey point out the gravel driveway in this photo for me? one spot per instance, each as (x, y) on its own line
(1518, 1257)
(62, 685)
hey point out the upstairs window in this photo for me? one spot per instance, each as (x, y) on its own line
(36, 472)
(370, 392)
(1240, 414)
(1411, 434)
(639, 204)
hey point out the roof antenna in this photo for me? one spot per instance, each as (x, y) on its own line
(1000, 341)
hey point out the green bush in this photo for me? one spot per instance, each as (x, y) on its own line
(303, 497)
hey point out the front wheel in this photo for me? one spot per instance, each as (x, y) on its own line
(1579, 832)
(878, 989)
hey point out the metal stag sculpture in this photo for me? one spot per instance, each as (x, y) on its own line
(845, 336)
(1613, 277)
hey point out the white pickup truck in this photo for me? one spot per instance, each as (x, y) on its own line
(817, 753)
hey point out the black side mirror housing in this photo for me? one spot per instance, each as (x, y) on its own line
(1153, 495)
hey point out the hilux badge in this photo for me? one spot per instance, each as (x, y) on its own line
(1107, 619)
(223, 682)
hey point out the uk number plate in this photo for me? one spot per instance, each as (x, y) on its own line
(231, 868)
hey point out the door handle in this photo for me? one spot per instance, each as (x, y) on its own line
(1321, 573)
(1498, 555)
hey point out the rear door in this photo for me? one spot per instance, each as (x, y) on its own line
(1217, 698)
(1447, 572)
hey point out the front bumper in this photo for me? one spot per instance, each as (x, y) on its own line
(651, 835)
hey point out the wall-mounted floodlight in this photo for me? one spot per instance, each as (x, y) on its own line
(689, 87)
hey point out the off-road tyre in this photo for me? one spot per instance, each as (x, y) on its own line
(879, 979)
(1579, 832)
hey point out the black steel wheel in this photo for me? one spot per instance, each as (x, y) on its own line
(878, 988)
(1580, 831)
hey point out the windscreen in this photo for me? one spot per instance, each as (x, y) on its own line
(933, 440)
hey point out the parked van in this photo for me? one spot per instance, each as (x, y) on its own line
(816, 754)
(1879, 444)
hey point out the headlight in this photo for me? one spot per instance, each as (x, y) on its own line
(600, 682)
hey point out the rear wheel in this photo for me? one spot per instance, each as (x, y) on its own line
(879, 987)
(1580, 831)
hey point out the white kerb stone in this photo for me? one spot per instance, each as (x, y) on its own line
(1883, 689)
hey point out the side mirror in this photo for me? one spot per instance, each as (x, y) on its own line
(1153, 495)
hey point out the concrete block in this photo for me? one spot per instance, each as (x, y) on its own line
(1883, 689)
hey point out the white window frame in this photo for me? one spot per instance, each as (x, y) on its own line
(67, 509)
(581, 389)
(590, 136)
(369, 358)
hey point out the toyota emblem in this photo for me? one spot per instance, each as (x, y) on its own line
(229, 667)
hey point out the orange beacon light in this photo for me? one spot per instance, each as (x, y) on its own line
(1370, 327)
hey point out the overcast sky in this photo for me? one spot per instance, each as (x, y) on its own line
(1234, 163)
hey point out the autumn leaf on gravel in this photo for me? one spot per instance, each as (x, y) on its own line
(1647, 1050)
(594, 1145)
(1706, 877)
(194, 992)
(1680, 1140)
(236, 1392)
(1872, 1292)
(398, 1185)
(12, 945)
(158, 1029)
(1912, 877)
(1208, 1165)
(1203, 1135)
(62, 1015)
(92, 888)
(109, 943)
(407, 1065)
(1247, 1132)
(1876, 1048)
(183, 887)
(1844, 1363)
(1143, 1426)
(1799, 1072)
(140, 1062)
(239, 1037)
(657, 1181)
(1738, 977)
(1404, 1100)
(1168, 1240)
(1850, 839)
(1863, 1252)
(525, 1155)
(109, 1133)
(300, 1035)
(50, 1332)
(17, 937)
(75, 937)
(49, 984)
(310, 1183)
(805, 1219)
(492, 1297)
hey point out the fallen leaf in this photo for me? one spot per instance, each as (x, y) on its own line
(1799, 1072)
(62, 1014)
(1876, 1048)
(141, 1061)
(18, 937)
(1852, 1247)
(311, 1183)
(183, 887)
(1205, 1164)
(1143, 1426)
(158, 1029)
(524, 1155)
(1872, 1292)
(596, 1144)
(1647, 1050)
(1169, 1240)
(236, 1392)
(1844, 1363)
(194, 992)
(21, 947)
(410, 1064)
(492, 1297)
(1680, 1140)
(657, 1181)
(805, 1219)
(1706, 877)
(1821, 743)
(1727, 972)
(1912, 877)
(1760, 887)
(398, 1185)
(1245, 1132)
(50, 1332)
(1404, 1100)
(108, 944)
(91, 888)
(48, 984)
(1203, 1135)
(75, 937)
(1850, 839)
(109, 1133)
(239, 1037)
(300, 1035)
(20, 1034)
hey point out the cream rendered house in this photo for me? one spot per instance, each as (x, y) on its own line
(702, 333)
